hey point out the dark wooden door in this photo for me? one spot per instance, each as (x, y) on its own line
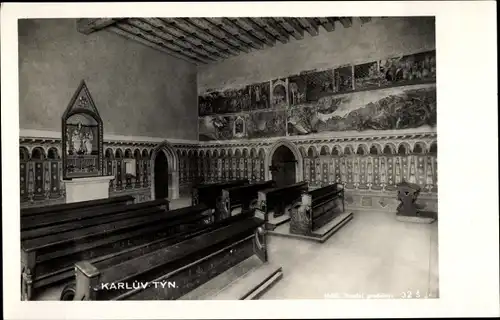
(161, 176)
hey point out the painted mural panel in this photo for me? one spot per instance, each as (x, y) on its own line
(389, 109)
(260, 96)
(319, 85)
(245, 126)
(344, 79)
(367, 75)
(267, 124)
(411, 68)
(228, 101)
(216, 128)
(297, 89)
(279, 96)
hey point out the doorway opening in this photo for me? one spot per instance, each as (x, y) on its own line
(161, 175)
(283, 166)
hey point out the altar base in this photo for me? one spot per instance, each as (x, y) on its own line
(85, 189)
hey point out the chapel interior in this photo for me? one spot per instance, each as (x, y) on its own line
(297, 157)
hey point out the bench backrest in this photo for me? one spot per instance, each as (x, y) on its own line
(76, 205)
(270, 198)
(320, 195)
(210, 193)
(240, 194)
(51, 224)
(161, 264)
(108, 261)
(77, 216)
(156, 216)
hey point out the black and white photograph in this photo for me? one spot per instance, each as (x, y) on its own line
(223, 157)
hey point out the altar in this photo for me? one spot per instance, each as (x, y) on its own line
(90, 188)
(82, 136)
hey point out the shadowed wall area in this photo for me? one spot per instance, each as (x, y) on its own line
(139, 91)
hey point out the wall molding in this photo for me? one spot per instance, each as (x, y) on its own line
(329, 137)
(108, 137)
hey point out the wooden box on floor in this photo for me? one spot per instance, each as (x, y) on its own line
(241, 198)
(318, 216)
(274, 205)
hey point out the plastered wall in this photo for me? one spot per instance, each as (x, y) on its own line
(138, 91)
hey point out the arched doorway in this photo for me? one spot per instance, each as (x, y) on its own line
(164, 172)
(161, 176)
(283, 166)
(284, 163)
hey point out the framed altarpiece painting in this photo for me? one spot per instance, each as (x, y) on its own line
(82, 137)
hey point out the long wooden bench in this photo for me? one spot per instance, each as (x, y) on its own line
(66, 207)
(49, 259)
(209, 194)
(177, 269)
(320, 213)
(186, 232)
(241, 198)
(55, 222)
(275, 204)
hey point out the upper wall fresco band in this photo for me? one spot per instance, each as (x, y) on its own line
(391, 94)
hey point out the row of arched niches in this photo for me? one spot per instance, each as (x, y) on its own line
(376, 166)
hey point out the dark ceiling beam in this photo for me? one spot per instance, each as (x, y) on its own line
(247, 33)
(180, 33)
(171, 52)
(87, 26)
(205, 35)
(365, 19)
(346, 22)
(332, 20)
(311, 28)
(261, 30)
(232, 35)
(165, 36)
(278, 28)
(326, 24)
(298, 31)
(219, 33)
(290, 30)
(172, 44)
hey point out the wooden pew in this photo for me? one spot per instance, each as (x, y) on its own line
(241, 198)
(55, 221)
(274, 204)
(107, 261)
(66, 207)
(49, 259)
(320, 213)
(209, 194)
(189, 269)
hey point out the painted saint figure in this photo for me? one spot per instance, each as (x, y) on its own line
(76, 140)
(88, 142)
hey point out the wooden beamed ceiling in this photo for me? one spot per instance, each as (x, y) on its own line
(207, 40)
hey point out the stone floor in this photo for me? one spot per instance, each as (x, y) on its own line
(374, 256)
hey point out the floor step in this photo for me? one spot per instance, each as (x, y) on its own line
(252, 284)
(276, 222)
(320, 235)
(415, 219)
(218, 283)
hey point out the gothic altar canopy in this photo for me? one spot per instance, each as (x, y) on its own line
(82, 135)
